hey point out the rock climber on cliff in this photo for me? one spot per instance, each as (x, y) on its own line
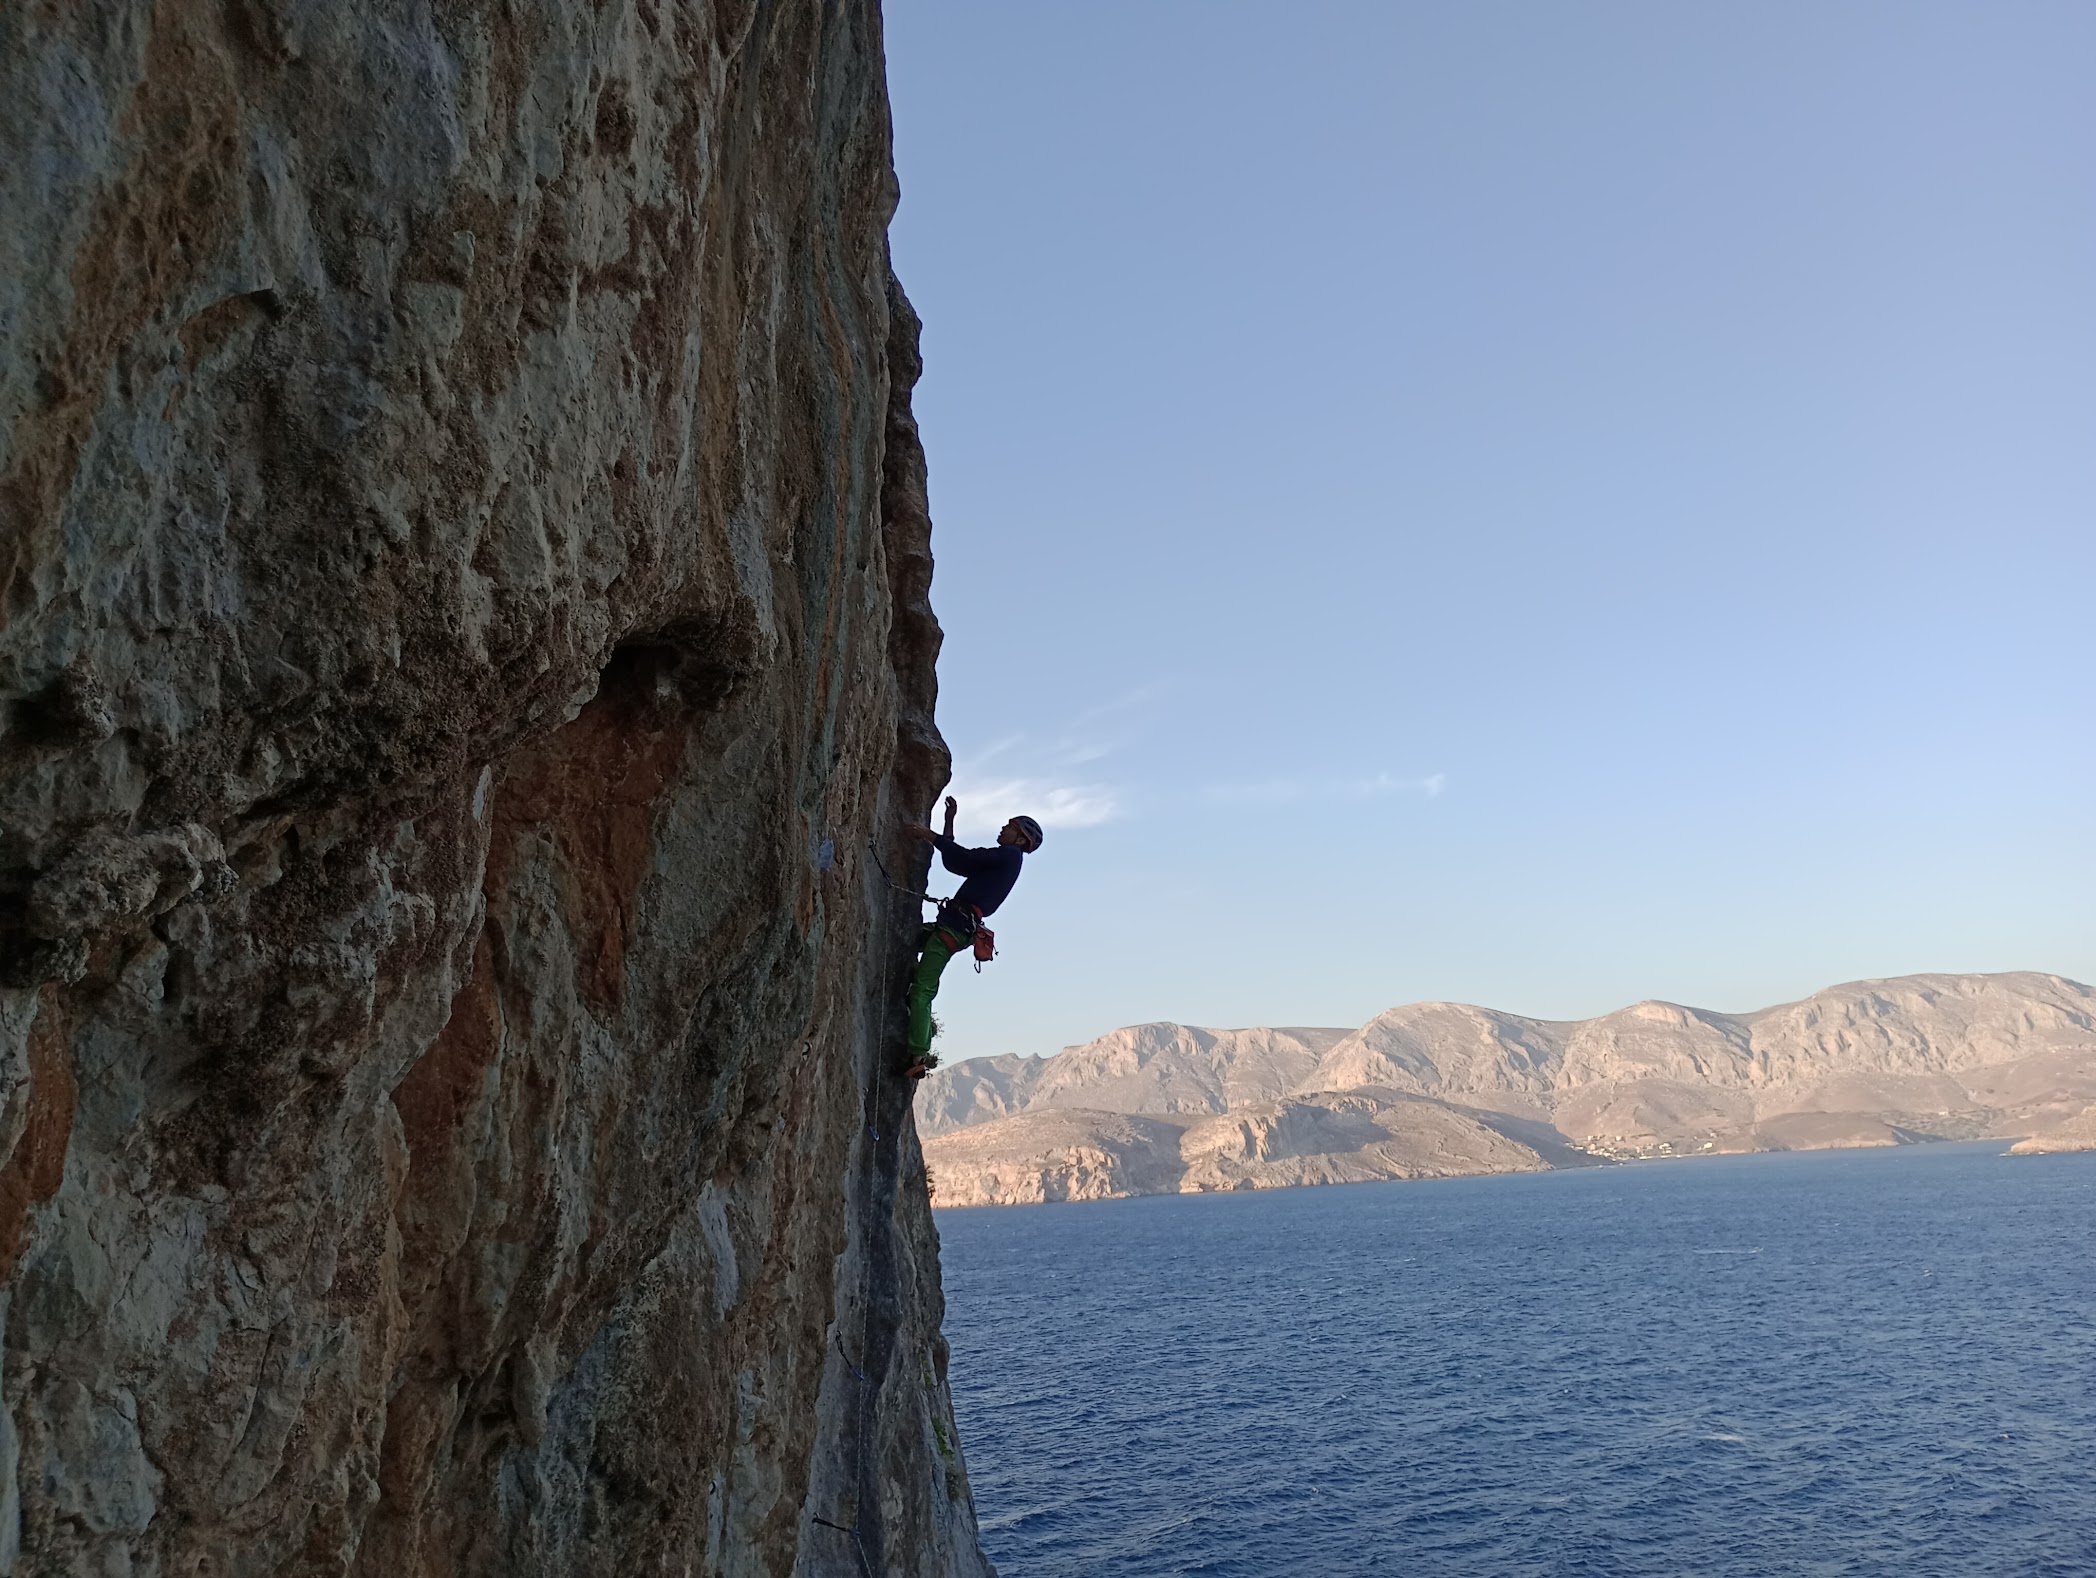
(987, 877)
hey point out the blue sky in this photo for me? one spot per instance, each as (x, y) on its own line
(1539, 505)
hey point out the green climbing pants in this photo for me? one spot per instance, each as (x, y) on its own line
(935, 947)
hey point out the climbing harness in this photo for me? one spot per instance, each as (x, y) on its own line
(985, 940)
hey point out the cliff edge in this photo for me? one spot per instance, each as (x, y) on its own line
(464, 570)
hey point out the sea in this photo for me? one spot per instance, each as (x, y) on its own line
(1823, 1363)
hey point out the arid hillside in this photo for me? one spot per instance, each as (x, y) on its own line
(1434, 1089)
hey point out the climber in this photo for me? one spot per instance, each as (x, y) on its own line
(988, 875)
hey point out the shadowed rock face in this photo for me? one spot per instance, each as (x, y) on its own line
(464, 566)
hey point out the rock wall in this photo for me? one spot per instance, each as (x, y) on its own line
(464, 567)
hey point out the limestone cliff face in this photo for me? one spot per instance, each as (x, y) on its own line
(464, 568)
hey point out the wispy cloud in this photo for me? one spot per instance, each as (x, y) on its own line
(1051, 777)
(987, 804)
(974, 762)
(1098, 732)
(1127, 701)
(1298, 791)
(1078, 755)
(1388, 783)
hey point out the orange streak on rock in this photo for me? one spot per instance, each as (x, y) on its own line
(594, 787)
(37, 1166)
(440, 1089)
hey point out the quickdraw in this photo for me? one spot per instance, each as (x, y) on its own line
(922, 898)
(985, 939)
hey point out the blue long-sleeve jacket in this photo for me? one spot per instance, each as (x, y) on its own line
(988, 875)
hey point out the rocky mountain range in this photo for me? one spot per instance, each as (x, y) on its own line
(1439, 1089)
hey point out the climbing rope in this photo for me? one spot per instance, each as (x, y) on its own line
(856, 1528)
(858, 1545)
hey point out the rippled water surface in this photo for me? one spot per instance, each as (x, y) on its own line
(1836, 1363)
